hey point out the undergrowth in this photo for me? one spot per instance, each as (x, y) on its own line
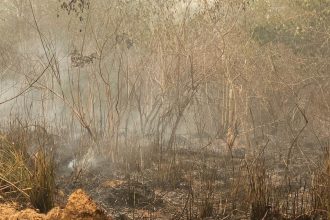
(25, 174)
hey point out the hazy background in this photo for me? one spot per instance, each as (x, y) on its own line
(169, 71)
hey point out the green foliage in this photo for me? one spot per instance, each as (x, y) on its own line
(303, 26)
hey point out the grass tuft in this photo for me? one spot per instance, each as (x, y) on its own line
(42, 180)
(25, 177)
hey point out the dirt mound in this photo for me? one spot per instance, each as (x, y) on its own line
(79, 206)
(9, 212)
(8, 209)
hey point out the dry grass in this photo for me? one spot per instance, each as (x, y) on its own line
(14, 172)
(25, 177)
(322, 185)
(43, 181)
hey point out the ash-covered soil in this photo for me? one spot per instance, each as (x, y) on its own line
(202, 184)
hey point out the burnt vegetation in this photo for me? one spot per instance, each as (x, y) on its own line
(176, 109)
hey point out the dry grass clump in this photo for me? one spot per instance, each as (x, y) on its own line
(258, 190)
(14, 173)
(25, 176)
(322, 185)
(42, 179)
(169, 175)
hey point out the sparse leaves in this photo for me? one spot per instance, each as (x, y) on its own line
(77, 7)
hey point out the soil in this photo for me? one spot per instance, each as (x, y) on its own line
(79, 206)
